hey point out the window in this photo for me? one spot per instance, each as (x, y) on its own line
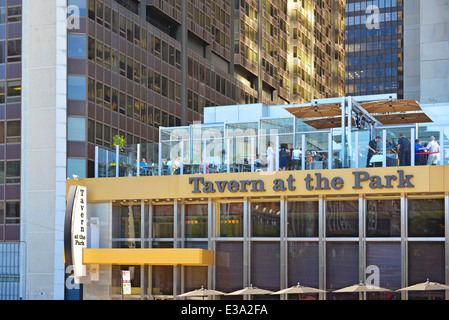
(76, 129)
(14, 14)
(12, 212)
(2, 52)
(14, 91)
(76, 46)
(13, 131)
(13, 172)
(81, 4)
(76, 87)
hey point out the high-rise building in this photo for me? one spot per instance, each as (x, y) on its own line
(77, 73)
(426, 47)
(375, 47)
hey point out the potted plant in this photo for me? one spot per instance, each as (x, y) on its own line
(118, 140)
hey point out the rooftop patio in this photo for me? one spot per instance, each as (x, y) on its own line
(326, 134)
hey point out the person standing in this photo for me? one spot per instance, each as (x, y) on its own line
(419, 157)
(270, 157)
(403, 150)
(372, 150)
(434, 151)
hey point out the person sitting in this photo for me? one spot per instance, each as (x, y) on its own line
(143, 167)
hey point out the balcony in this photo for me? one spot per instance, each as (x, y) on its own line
(267, 144)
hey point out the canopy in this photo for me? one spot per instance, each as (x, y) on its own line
(315, 111)
(403, 118)
(388, 106)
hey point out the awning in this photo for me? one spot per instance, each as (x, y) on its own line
(326, 123)
(388, 106)
(403, 118)
(316, 111)
(152, 256)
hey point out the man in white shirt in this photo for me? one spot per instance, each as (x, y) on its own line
(296, 158)
(434, 149)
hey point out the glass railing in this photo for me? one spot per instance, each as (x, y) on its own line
(209, 150)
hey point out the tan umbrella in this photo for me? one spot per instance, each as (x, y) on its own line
(391, 106)
(403, 118)
(299, 289)
(426, 286)
(315, 111)
(249, 290)
(201, 293)
(360, 288)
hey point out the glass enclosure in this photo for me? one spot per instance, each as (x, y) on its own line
(274, 144)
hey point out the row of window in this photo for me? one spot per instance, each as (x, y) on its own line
(378, 45)
(376, 73)
(373, 59)
(425, 218)
(357, 5)
(391, 86)
(382, 17)
(369, 33)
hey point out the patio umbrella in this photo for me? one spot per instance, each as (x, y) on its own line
(426, 286)
(362, 289)
(391, 106)
(403, 118)
(201, 293)
(315, 111)
(299, 289)
(250, 290)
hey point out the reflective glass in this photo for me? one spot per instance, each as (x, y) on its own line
(77, 46)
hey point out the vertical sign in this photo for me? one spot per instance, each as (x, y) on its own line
(75, 230)
(126, 282)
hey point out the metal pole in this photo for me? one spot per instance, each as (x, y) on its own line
(252, 154)
(138, 160)
(117, 158)
(96, 161)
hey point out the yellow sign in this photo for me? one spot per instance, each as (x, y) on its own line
(390, 180)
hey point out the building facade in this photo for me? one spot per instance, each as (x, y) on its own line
(325, 223)
(92, 70)
(375, 47)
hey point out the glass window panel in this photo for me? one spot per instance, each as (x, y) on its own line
(303, 264)
(76, 167)
(386, 257)
(76, 87)
(426, 261)
(77, 46)
(342, 218)
(196, 221)
(342, 268)
(383, 218)
(229, 266)
(76, 129)
(302, 219)
(231, 220)
(126, 223)
(265, 219)
(163, 221)
(12, 169)
(426, 217)
(265, 265)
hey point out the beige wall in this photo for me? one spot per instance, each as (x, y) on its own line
(43, 146)
(426, 50)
